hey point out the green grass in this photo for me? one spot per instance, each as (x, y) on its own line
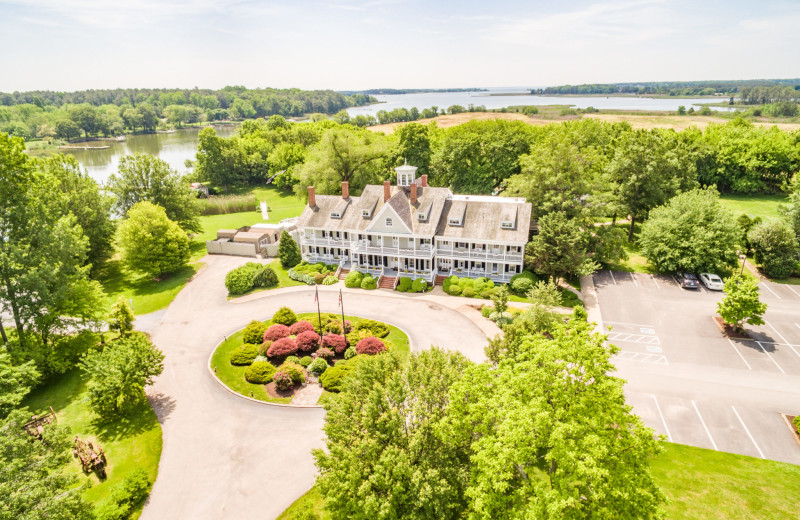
(233, 376)
(699, 483)
(130, 443)
(147, 294)
(764, 206)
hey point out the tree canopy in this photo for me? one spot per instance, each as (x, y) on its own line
(742, 303)
(150, 242)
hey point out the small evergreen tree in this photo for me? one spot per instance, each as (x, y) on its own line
(741, 303)
(288, 252)
(121, 317)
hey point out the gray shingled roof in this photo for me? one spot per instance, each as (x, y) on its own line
(482, 221)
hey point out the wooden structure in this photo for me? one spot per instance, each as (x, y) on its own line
(35, 427)
(91, 460)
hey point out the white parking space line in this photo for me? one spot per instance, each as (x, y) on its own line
(666, 428)
(637, 325)
(704, 426)
(767, 287)
(655, 281)
(782, 337)
(634, 280)
(633, 338)
(769, 356)
(740, 354)
(612, 277)
(792, 289)
(653, 359)
(748, 432)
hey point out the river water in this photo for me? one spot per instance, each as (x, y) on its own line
(178, 146)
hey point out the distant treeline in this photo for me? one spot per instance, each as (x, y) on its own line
(780, 88)
(66, 115)
(401, 115)
(388, 91)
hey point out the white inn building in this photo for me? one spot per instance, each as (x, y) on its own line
(415, 230)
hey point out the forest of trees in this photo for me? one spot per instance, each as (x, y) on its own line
(768, 90)
(68, 115)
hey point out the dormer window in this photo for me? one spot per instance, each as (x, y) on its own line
(420, 216)
(365, 213)
(388, 222)
(507, 224)
(335, 214)
(454, 222)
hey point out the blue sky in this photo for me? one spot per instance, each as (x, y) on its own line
(348, 44)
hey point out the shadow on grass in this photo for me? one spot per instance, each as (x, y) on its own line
(133, 423)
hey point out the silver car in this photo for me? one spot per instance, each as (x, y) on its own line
(711, 281)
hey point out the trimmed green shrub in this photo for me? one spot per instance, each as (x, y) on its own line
(318, 366)
(318, 278)
(330, 280)
(240, 280)
(293, 359)
(454, 289)
(350, 353)
(288, 251)
(305, 361)
(334, 327)
(294, 371)
(486, 311)
(264, 348)
(260, 373)
(488, 293)
(254, 332)
(419, 285)
(284, 316)
(283, 381)
(265, 277)
(244, 355)
(300, 277)
(376, 328)
(404, 284)
(468, 292)
(276, 332)
(334, 376)
(465, 282)
(124, 497)
(353, 279)
(796, 422)
(370, 346)
(369, 282)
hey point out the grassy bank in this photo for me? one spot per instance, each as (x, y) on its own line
(130, 443)
(233, 376)
(700, 484)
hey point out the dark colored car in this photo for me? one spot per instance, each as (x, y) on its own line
(689, 281)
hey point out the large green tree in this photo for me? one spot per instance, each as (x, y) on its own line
(550, 434)
(386, 457)
(414, 146)
(692, 232)
(150, 242)
(144, 177)
(742, 303)
(119, 372)
(775, 246)
(15, 381)
(32, 483)
(559, 250)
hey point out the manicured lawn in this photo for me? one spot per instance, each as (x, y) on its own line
(233, 376)
(147, 295)
(699, 483)
(130, 443)
(764, 206)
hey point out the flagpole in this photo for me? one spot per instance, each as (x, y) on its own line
(341, 304)
(319, 314)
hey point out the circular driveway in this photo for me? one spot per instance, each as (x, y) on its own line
(227, 457)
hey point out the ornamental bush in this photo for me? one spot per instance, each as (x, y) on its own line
(486, 311)
(334, 376)
(419, 285)
(376, 328)
(404, 284)
(283, 381)
(353, 279)
(350, 353)
(265, 277)
(259, 373)
(325, 353)
(282, 348)
(244, 355)
(796, 423)
(369, 282)
(254, 332)
(468, 292)
(284, 316)
(330, 280)
(301, 326)
(276, 332)
(305, 361)
(318, 366)
(370, 346)
(240, 280)
(454, 289)
(300, 277)
(294, 371)
(288, 251)
(522, 282)
(293, 359)
(264, 348)
(307, 341)
(335, 342)
(334, 327)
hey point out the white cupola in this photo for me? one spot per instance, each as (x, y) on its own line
(406, 174)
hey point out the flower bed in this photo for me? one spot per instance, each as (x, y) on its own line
(330, 349)
(312, 274)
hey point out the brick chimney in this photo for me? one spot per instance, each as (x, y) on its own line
(413, 193)
(312, 199)
(345, 189)
(424, 180)
(387, 190)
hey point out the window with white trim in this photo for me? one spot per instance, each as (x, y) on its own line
(388, 222)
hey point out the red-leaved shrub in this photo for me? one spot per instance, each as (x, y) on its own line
(307, 341)
(282, 348)
(301, 326)
(283, 381)
(335, 342)
(276, 332)
(370, 346)
(325, 353)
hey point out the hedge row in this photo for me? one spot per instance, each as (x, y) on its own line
(358, 279)
(250, 276)
(405, 284)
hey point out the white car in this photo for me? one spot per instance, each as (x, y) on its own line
(711, 281)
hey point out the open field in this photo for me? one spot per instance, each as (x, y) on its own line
(699, 483)
(645, 121)
(130, 443)
(764, 206)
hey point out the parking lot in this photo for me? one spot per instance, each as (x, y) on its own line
(692, 384)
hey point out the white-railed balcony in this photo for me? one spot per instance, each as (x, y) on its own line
(327, 241)
(478, 254)
(364, 247)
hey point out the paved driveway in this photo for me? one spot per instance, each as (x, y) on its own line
(690, 383)
(226, 457)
